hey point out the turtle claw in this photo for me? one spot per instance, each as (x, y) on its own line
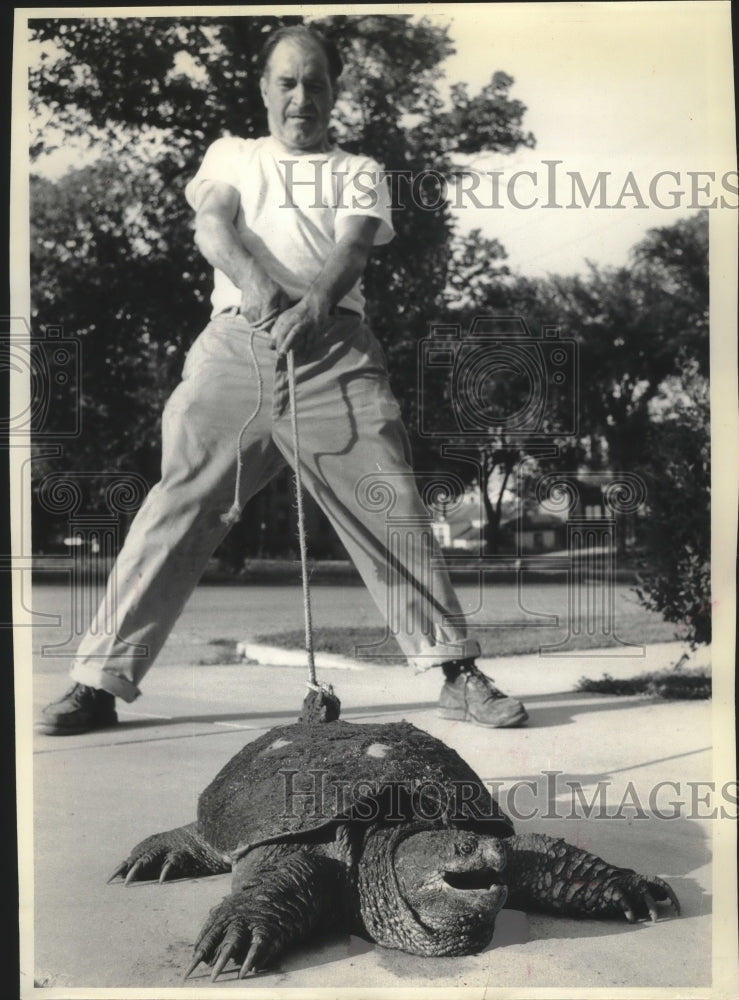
(251, 956)
(120, 871)
(248, 965)
(173, 854)
(196, 960)
(232, 946)
(136, 867)
(651, 906)
(642, 893)
(232, 931)
(623, 902)
(667, 890)
(224, 953)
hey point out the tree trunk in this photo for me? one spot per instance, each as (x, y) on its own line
(492, 523)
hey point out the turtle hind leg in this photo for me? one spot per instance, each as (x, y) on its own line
(178, 853)
(552, 876)
(280, 898)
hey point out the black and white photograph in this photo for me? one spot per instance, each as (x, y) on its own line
(372, 447)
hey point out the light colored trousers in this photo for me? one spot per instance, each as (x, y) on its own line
(355, 461)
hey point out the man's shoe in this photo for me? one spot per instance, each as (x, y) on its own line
(473, 697)
(80, 710)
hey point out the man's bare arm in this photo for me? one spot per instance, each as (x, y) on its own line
(344, 266)
(218, 241)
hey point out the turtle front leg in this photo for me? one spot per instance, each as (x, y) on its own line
(177, 853)
(280, 897)
(552, 876)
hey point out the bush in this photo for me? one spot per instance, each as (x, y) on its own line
(675, 578)
(683, 685)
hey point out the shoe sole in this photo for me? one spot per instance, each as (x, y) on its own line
(51, 729)
(462, 715)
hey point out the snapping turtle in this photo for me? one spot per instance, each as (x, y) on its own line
(382, 829)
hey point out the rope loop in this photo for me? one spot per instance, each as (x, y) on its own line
(232, 515)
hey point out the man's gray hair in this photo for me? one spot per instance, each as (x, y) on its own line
(301, 32)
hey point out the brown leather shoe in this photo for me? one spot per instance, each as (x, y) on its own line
(472, 697)
(80, 710)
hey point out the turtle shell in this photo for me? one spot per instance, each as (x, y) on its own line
(295, 780)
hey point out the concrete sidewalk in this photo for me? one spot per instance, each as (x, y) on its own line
(97, 795)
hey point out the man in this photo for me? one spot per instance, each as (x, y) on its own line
(282, 222)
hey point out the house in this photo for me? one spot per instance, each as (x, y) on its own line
(460, 525)
(533, 532)
(533, 529)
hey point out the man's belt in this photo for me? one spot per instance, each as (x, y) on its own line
(337, 311)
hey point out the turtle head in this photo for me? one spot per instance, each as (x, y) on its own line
(442, 890)
(451, 879)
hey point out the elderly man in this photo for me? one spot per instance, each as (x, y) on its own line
(287, 221)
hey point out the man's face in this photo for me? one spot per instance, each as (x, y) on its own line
(298, 94)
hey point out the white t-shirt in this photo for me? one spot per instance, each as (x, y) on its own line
(293, 208)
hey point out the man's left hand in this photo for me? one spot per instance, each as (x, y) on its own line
(300, 325)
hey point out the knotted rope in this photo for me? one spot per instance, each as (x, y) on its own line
(233, 513)
(321, 704)
(301, 525)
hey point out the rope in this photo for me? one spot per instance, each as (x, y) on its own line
(233, 513)
(301, 526)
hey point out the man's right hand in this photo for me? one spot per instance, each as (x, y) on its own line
(217, 239)
(261, 297)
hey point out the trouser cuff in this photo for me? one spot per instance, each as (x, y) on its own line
(464, 649)
(92, 676)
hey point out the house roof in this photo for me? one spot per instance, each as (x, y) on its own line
(533, 522)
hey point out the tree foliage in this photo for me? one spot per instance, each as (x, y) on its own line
(112, 253)
(629, 323)
(113, 259)
(676, 535)
(89, 230)
(626, 326)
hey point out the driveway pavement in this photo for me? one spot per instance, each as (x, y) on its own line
(96, 795)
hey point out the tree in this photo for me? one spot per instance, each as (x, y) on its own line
(477, 275)
(676, 534)
(624, 326)
(89, 231)
(629, 324)
(113, 256)
(497, 431)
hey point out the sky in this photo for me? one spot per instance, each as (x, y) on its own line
(621, 90)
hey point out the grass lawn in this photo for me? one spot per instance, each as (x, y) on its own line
(634, 624)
